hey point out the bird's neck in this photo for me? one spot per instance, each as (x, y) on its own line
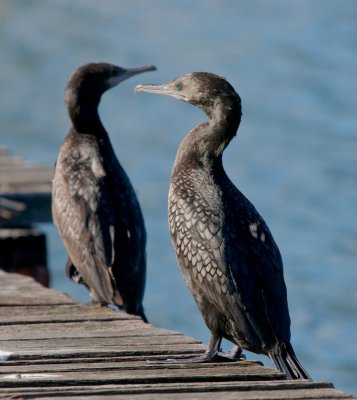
(85, 119)
(224, 120)
(82, 106)
(204, 145)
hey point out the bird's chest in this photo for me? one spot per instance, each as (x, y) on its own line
(196, 222)
(194, 206)
(81, 159)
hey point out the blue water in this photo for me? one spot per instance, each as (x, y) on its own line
(294, 65)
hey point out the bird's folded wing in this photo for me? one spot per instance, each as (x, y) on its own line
(83, 214)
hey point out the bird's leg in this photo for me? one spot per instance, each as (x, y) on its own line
(236, 354)
(212, 354)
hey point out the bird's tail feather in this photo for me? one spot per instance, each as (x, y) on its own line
(142, 314)
(134, 309)
(286, 361)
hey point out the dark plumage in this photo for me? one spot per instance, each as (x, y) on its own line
(227, 254)
(94, 205)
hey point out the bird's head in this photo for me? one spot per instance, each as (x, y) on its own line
(202, 89)
(87, 84)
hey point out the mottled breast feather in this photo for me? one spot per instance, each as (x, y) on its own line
(196, 232)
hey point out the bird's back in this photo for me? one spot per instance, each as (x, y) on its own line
(99, 218)
(252, 250)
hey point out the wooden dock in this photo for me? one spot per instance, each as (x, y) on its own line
(25, 200)
(51, 347)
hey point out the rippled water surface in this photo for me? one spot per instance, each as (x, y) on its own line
(294, 65)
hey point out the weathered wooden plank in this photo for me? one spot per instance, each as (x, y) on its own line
(96, 342)
(51, 312)
(231, 393)
(116, 324)
(153, 376)
(167, 388)
(138, 370)
(22, 290)
(99, 358)
(43, 314)
(114, 328)
(15, 170)
(16, 281)
(252, 395)
(100, 350)
(28, 186)
(104, 364)
(17, 297)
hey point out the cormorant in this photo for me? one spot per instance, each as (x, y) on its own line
(227, 254)
(94, 205)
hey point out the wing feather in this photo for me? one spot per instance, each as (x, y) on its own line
(254, 253)
(83, 214)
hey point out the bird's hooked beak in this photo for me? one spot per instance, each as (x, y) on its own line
(128, 73)
(166, 89)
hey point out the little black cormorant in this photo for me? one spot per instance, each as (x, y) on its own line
(227, 254)
(94, 205)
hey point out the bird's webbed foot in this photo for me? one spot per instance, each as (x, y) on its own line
(197, 359)
(213, 355)
(236, 354)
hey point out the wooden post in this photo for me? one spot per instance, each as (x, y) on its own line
(24, 251)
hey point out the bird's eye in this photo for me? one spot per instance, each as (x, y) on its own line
(178, 85)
